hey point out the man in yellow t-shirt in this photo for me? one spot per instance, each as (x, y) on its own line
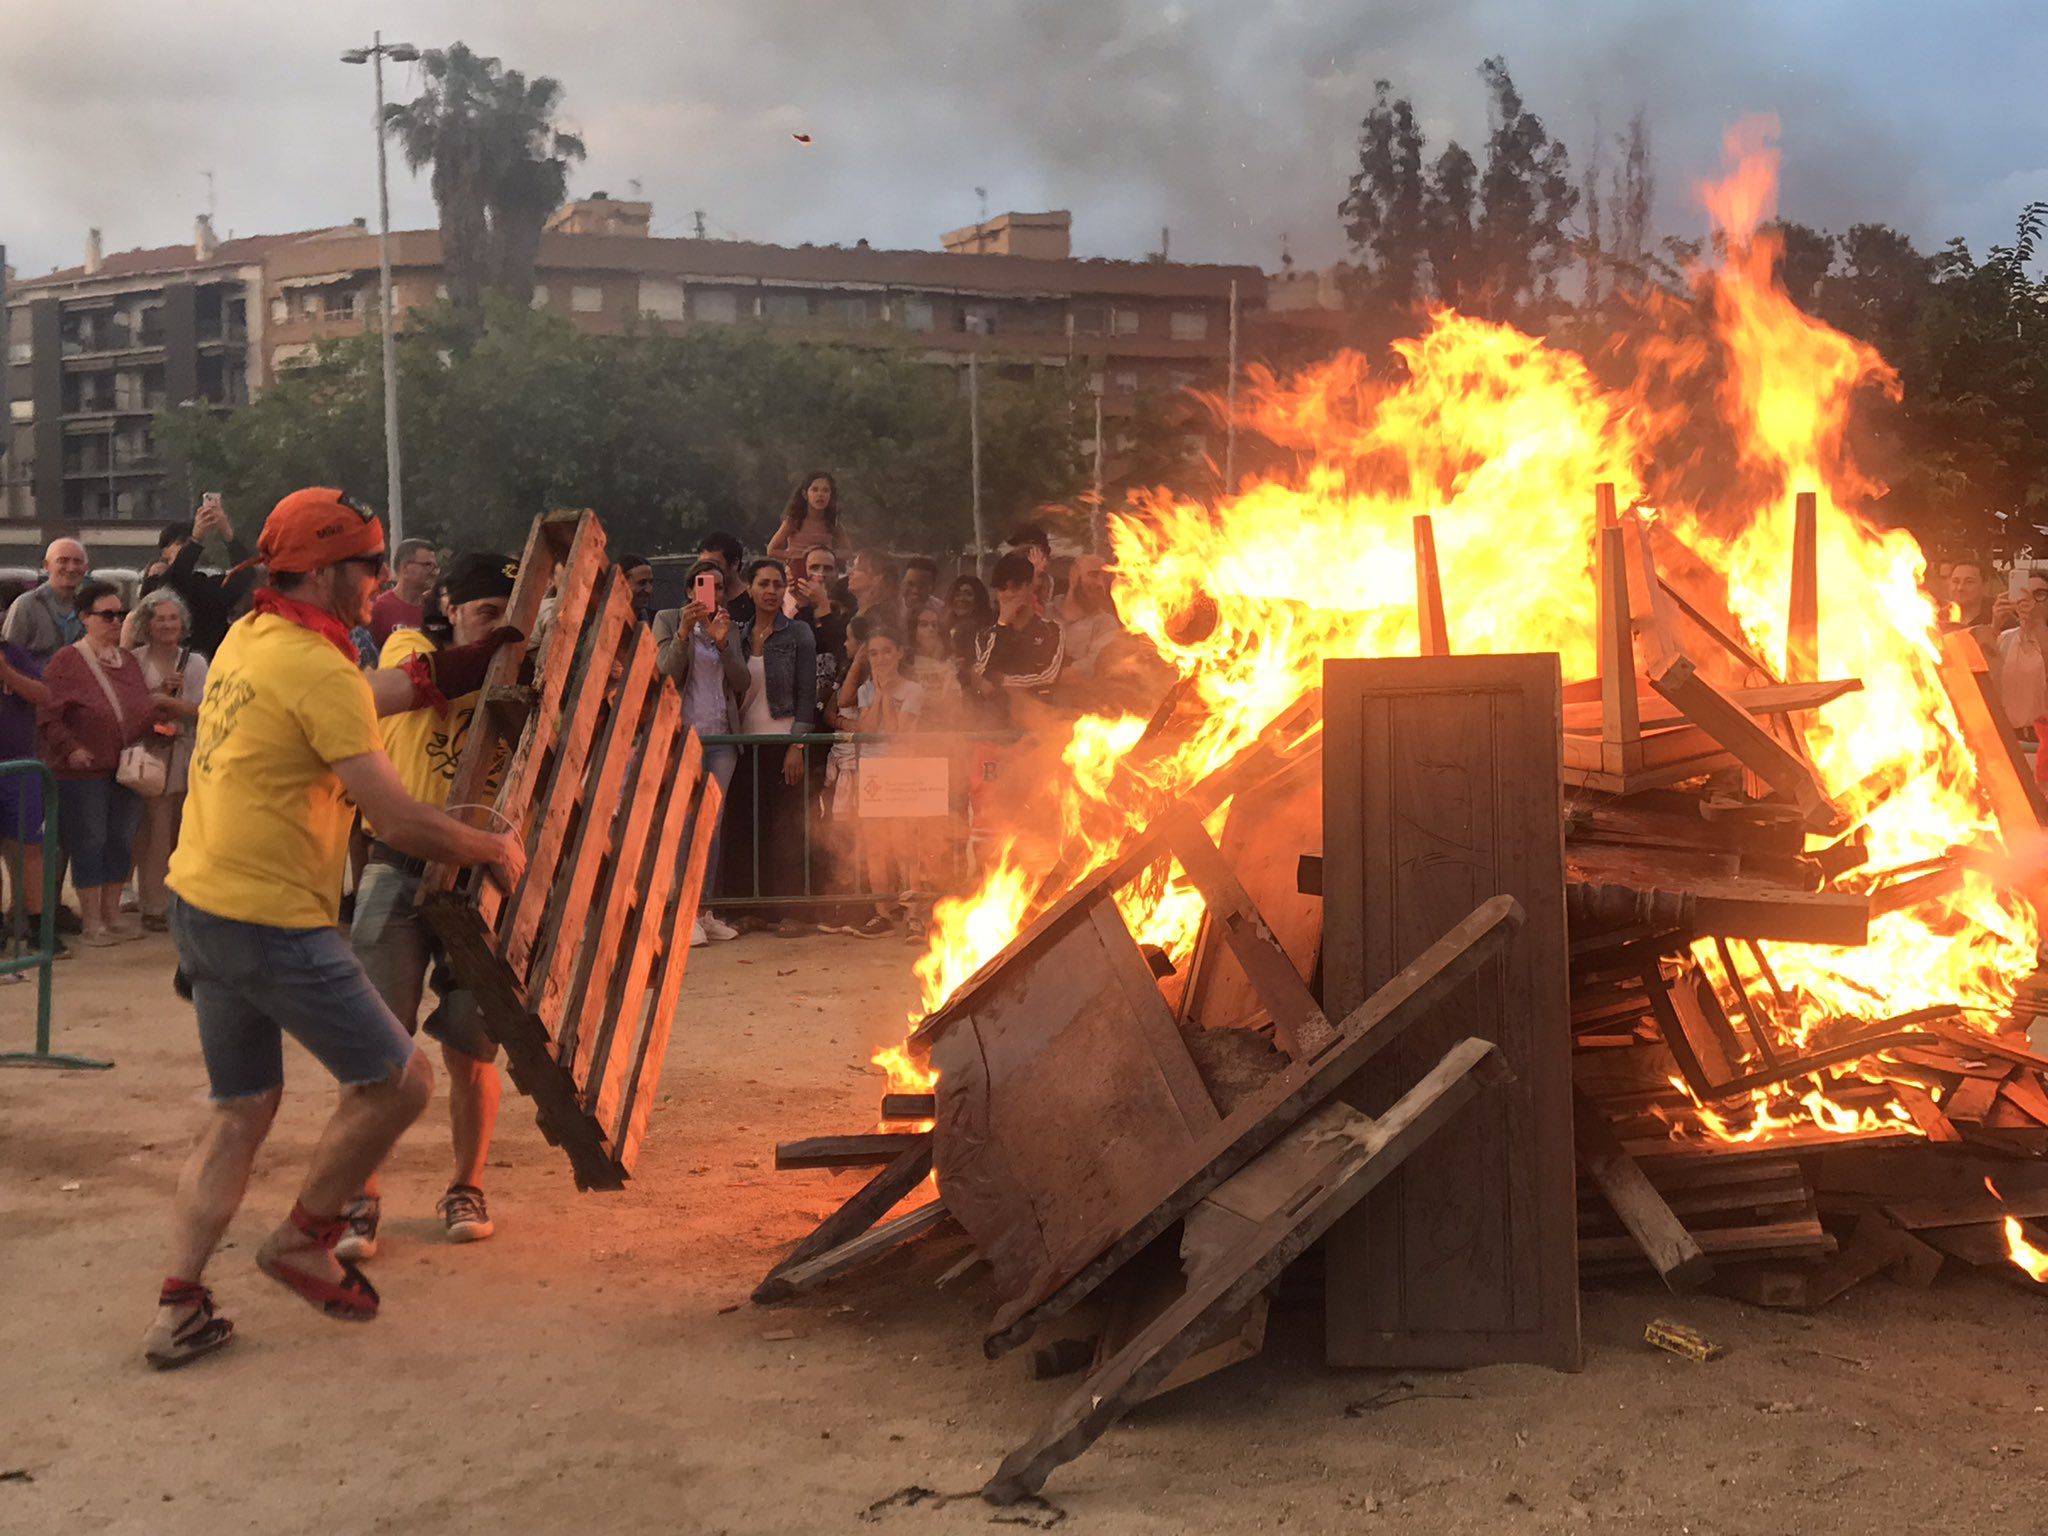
(392, 939)
(283, 748)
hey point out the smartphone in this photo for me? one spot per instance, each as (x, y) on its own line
(210, 499)
(704, 589)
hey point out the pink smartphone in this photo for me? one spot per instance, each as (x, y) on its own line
(704, 589)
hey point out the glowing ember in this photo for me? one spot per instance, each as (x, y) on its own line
(1500, 438)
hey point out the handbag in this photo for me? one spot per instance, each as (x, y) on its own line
(141, 768)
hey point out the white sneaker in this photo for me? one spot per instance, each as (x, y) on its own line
(698, 938)
(717, 928)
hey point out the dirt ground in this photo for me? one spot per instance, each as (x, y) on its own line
(596, 1366)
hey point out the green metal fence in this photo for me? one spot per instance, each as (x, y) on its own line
(815, 892)
(16, 955)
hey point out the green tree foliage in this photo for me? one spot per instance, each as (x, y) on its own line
(500, 167)
(1488, 239)
(664, 436)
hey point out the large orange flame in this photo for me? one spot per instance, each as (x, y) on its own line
(1500, 438)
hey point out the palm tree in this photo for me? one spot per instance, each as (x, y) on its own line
(500, 167)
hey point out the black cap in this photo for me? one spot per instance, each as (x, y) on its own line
(478, 574)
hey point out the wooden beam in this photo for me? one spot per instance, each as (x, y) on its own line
(876, 1150)
(1621, 727)
(1678, 680)
(870, 1245)
(1429, 591)
(876, 1199)
(1671, 1250)
(1356, 1160)
(1802, 626)
(2002, 770)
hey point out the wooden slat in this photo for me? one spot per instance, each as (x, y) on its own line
(1671, 1249)
(1680, 681)
(564, 922)
(651, 1052)
(1620, 722)
(570, 967)
(1429, 591)
(875, 1200)
(1802, 627)
(1655, 712)
(874, 1149)
(576, 580)
(863, 1249)
(564, 794)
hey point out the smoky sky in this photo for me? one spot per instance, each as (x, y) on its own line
(1232, 124)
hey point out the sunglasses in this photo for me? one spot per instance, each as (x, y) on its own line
(116, 614)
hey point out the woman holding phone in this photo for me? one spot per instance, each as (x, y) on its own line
(697, 645)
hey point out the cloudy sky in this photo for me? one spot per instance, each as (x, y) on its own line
(1232, 123)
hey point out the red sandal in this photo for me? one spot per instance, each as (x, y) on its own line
(353, 1300)
(202, 1331)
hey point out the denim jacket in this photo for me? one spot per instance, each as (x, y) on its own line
(789, 668)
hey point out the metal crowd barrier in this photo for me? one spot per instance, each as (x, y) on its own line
(748, 893)
(13, 929)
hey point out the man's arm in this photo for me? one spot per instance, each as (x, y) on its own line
(15, 681)
(414, 827)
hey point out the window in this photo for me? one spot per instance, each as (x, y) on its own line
(843, 311)
(1097, 382)
(786, 306)
(1123, 322)
(1181, 378)
(661, 299)
(1190, 325)
(280, 310)
(917, 314)
(978, 319)
(540, 295)
(714, 306)
(22, 410)
(1090, 320)
(586, 298)
(20, 352)
(1127, 381)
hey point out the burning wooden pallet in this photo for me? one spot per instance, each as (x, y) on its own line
(578, 971)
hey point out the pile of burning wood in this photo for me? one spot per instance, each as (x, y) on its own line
(1466, 933)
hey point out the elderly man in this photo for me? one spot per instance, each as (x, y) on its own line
(42, 621)
(288, 750)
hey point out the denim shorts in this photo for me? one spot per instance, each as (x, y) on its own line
(396, 948)
(252, 985)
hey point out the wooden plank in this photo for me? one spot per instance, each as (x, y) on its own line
(1155, 1023)
(879, 1196)
(876, 1149)
(1620, 722)
(1671, 1250)
(864, 1249)
(626, 999)
(1736, 907)
(1429, 591)
(1723, 1242)
(565, 986)
(1802, 623)
(562, 925)
(1350, 1165)
(1433, 976)
(1467, 1257)
(577, 583)
(1678, 680)
(591, 693)
(1299, 1026)
(1654, 712)
(2003, 772)
(1971, 1099)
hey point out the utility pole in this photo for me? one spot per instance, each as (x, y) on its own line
(1230, 402)
(375, 55)
(974, 456)
(1098, 524)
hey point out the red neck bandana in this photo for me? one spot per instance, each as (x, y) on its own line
(306, 616)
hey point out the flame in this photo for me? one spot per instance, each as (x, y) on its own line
(1499, 437)
(2023, 1253)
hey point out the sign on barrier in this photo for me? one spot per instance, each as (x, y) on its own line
(905, 786)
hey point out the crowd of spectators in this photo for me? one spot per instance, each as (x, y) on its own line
(853, 652)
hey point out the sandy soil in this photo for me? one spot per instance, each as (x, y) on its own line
(596, 1367)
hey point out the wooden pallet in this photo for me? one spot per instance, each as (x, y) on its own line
(577, 971)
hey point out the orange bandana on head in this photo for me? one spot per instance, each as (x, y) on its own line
(315, 528)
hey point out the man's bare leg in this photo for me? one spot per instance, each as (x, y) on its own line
(473, 1094)
(210, 1190)
(366, 1125)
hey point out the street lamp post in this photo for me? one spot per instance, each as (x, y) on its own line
(375, 55)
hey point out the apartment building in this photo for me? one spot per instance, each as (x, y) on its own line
(95, 350)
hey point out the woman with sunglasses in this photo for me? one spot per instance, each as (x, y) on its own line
(99, 704)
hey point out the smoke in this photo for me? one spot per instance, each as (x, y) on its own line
(1232, 123)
